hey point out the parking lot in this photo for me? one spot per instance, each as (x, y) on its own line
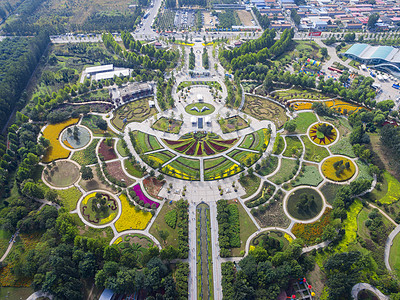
(184, 19)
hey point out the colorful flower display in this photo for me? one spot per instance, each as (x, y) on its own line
(137, 189)
(311, 231)
(52, 133)
(130, 217)
(322, 139)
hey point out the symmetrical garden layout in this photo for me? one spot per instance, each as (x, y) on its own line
(281, 183)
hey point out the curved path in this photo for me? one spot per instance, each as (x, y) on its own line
(366, 286)
(142, 232)
(39, 294)
(388, 245)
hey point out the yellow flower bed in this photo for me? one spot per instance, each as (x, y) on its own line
(86, 199)
(52, 132)
(66, 143)
(185, 44)
(117, 241)
(302, 105)
(228, 171)
(326, 140)
(288, 237)
(252, 248)
(108, 219)
(266, 137)
(208, 44)
(330, 172)
(130, 218)
(156, 159)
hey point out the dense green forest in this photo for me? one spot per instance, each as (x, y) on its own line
(19, 58)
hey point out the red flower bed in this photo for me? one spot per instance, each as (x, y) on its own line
(209, 151)
(183, 148)
(228, 142)
(107, 151)
(217, 147)
(200, 150)
(192, 149)
(169, 142)
(153, 186)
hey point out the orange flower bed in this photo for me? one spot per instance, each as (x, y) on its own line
(302, 105)
(311, 231)
(52, 132)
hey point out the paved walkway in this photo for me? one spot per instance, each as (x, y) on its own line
(366, 286)
(39, 294)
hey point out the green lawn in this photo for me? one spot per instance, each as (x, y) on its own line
(363, 170)
(250, 184)
(268, 166)
(394, 258)
(311, 176)
(304, 120)
(314, 209)
(5, 237)
(90, 121)
(329, 190)
(69, 197)
(313, 152)
(343, 147)
(133, 169)
(121, 150)
(389, 190)
(160, 224)
(279, 144)
(168, 125)
(247, 228)
(232, 124)
(191, 109)
(86, 156)
(285, 173)
(294, 148)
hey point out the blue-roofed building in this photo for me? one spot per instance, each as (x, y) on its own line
(378, 56)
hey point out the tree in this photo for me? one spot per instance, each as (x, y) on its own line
(87, 173)
(373, 18)
(102, 124)
(290, 125)
(164, 234)
(324, 51)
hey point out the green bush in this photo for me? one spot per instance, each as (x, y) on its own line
(171, 218)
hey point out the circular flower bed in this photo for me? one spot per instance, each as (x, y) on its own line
(322, 133)
(304, 204)
(338, 168)
(99, 208)
(75, 137)
(64, 173)
(200, 109)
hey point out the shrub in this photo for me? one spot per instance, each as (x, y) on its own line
(171, 218)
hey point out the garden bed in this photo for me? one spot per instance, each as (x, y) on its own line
(244, 158)
(133, 169)
(75, 137)
(115, 170)
(331, 172)
(96, 183)
(106, 150)
(135, 111)
(250, 185)
(264, 109)
(200, 109)
(271, 214)
(99, 208)
(86, 156)
(131, 218)
(314, 152)
(156, 160)
(69, 197)
(167, 125)
(63, 174)
(232, 124)
(317, 137)
(294, 148)
(301, 210)
(219, 167)
(140, 198)
(91, 122)
(268, 165)
(257, 141)
(143, 142)
(52, 133)
(286, 172)
(310, 176)
(153, 186)
(183, 168)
